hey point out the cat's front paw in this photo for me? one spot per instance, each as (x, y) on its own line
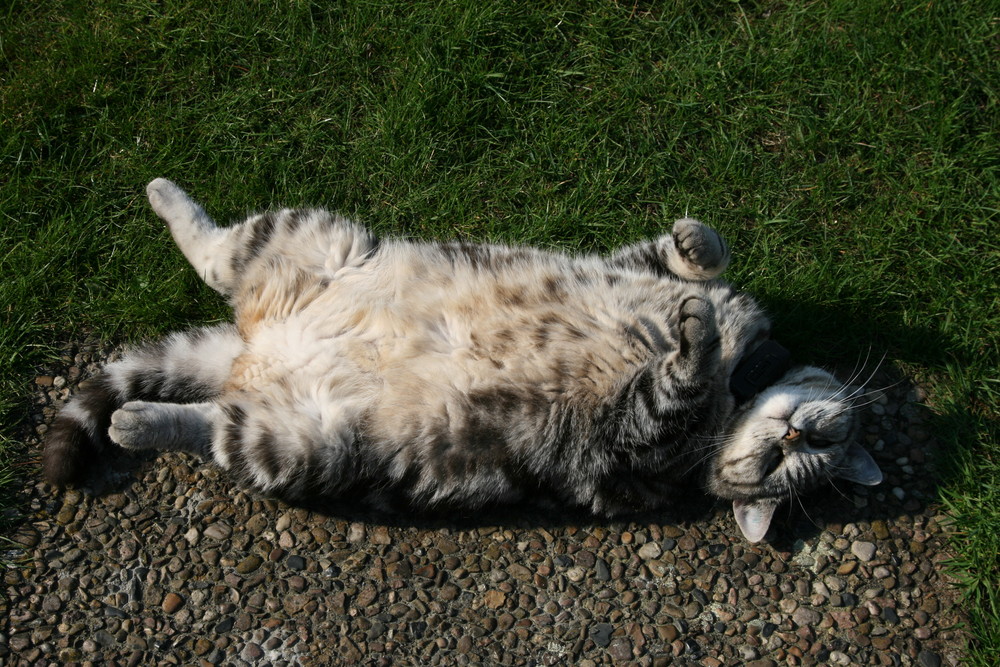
(699, 335)
(134, 424)
(700, 248)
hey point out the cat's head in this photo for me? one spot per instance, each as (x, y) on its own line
(793, 436)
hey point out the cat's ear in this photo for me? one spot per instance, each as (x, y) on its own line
(754, 517)
(859, 466)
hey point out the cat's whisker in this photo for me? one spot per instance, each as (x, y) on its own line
(873, 396)
(798, 499)
(859, 367)
(861, 388)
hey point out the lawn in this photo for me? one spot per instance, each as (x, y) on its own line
(849, 152)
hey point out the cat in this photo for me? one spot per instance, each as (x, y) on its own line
(464, 375)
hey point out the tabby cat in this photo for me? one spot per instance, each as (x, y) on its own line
(463, 375)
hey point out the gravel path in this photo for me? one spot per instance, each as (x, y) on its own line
(166, 562)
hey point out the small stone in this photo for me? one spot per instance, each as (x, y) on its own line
(494, 599)
(448, 592)
(928, 659)
(20, 642)
(864, 551)
(805, 617)
(620, 650)
(192, 536)
(218, 531)
(601, 634)
(847, 567)
(252, 651)
(356, 533)
(256, 524)
(380, 535)
(650, 550)
(27, 536)
(172, 602)
(249, 564)
(668, 633)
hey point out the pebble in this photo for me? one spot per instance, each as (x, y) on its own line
(172, 602)
(865, 551)
(249, 564)
(601, 633)
(218, 531)
(928, 659)
(172, 564)
(650, 550)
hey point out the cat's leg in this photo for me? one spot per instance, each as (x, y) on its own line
(249, 437)
(313, 241)
(670, 388)
(666, 398)
(295, 451)
(186, 427)
(184, 367)
(692, 251)
(206, 246)
(698, 354)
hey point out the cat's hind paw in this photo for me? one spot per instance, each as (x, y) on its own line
(133, 424)
(174, 207)
(164, 196)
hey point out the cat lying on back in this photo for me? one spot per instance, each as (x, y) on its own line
(463, 375)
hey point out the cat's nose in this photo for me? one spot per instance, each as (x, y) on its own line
(792, 436)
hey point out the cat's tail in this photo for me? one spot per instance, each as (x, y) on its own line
(184, 367)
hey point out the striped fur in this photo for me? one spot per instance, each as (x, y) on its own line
(461, 374)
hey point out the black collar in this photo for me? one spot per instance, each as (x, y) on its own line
(759, 370)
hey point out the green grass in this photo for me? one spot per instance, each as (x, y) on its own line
(847, 150)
